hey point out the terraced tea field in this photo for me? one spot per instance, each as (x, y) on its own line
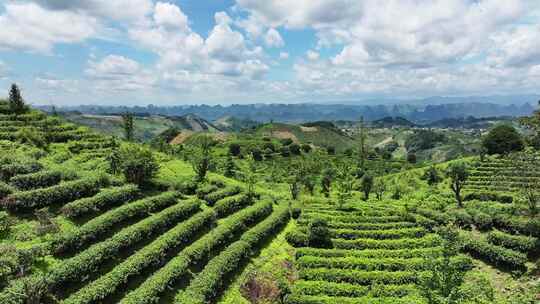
(376, 255)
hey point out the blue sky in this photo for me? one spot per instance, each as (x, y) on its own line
(136, 52)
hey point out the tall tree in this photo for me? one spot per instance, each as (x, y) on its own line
(200, 157)
(458, 174)
(127, 120)
(16, 102)
(362, 149)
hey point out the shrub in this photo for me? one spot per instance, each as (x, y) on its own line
(461, 218)
(36, 180)
(318, 234)
(207, 283)
(285, 152)
(7, 171)
(138, 164)
(104, 199)
(5, 190)
(179, 265)
(286, 141)
(520, 243)
(489, 196)
(411, 158)
(296, 212)
(497, 255)
(306, 148)
(150, 255)
(59, 194)
(234, 149)
(295, 149)
(94, 228)
(4, 222)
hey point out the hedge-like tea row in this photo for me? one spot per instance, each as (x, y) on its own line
(367, 264)
(370, 253)
(217, 195)
(35, 180)
(150, 255)
(7, 171)
(203, 190)
(101, 224)
(308, 299)
(58, 194)
(5, 190)
(231, 204)
(105, 198)
(315, 288)
(355, 219)
(364, 226)
(521, 243)
(519, 225)
(497, 255)
(489, 196)
(429, 240)
(150, 290)
(75, 268)
(208, 283)
(358, 276)
(351, 234)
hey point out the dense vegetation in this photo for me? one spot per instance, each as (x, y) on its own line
(260, 217)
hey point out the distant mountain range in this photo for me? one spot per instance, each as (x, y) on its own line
(299, 113)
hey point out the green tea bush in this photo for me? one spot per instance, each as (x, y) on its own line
(149, 290)
(7, 171)
(36, 180)
(219, 194)
(59, 194)
(151, 255)
(520, 243)
(208, 283)
(97, 226)
(5, 190)
(104, 199)
(497, 255)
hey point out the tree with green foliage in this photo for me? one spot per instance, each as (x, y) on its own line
(327, 177)
(411, 158)
(306, 148)
(16, 101)
(345, 184)
(138, 164)
(443, 282)
(200, 156)
(458, 174)
(318, 234)
(128, 126)
(432, 176)
(114, 160)
(295, 149)
(366, 185)
(294, 187)
(234, 149)
(362, 151)
(330, 150)
(229, 169)
(503, 139)
(379, 187)
(249, 176)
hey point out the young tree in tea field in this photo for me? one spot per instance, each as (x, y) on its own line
(441, 283)
(458, 174)
(529, 190)
(200, 156)
(379, 187)
(345, 184)
(327, 177)
(16, 101)
(366, 185)
(138, 164)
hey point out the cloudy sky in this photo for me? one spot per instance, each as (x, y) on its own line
(243, 51)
